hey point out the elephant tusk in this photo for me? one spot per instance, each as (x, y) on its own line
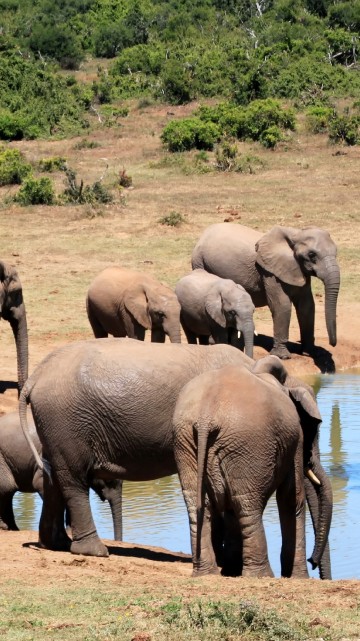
(255, 332)
(239, 333)
(310, 474)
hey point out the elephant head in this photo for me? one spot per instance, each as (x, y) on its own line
(317, 484)
(229, 305)
(12, 309)
(156, 308)
(293, 255)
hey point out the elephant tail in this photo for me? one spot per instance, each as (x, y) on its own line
(23, 401)
(202, 429)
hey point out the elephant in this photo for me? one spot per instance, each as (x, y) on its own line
(125, 302)
(239, 436)
(19, 472)
(103, 410)
(213, 306)
(12, 309)
(276, 269)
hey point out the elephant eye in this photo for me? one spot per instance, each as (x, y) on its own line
(312, 257)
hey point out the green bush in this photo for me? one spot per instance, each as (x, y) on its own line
(271, 136)
(58, 42)
(345, 129)
(317, 118)
(13, 168)
(36, 192)
(79, 194)
(176, 85)
(174, 219)
(56, 163)
(190, 133)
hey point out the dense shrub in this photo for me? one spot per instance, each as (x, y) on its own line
(13, 168)
(271, 136)
(345, 129)
(36, 192)
(190, 133)
(317, 118)
(77, 193)
(58, 42)
(56, 163)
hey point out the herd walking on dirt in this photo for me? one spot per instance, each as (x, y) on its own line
(236, 430)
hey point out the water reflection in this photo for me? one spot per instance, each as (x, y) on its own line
(155, 514)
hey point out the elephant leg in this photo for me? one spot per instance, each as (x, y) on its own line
(305, 311)
(37, 482)
(203, 555)
(7, 519)
(280, 306)
(97, 328)
(291, 505)
(255, 561)
(138, 332)
(203, 340)
(85, 539)
(190, 336)
(52, 533)
(232, 552)
(157, 335)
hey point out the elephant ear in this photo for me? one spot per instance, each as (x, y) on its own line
(213, 307)
(6, 272)
(136, 304)
(275, 253)
(307, 401)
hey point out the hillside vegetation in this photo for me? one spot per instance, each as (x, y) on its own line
(303, 51)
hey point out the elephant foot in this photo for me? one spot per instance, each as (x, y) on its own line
(91, 546)
(60, 544)
(265, 572)
(281, 352)
(205, 571)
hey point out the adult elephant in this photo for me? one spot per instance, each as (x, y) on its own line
(214, 306)
(12, 309)
(103, 410)
(239, 436)
(276, 269)
(19, 472)
(125, 302)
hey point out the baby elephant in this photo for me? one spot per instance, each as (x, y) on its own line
(239, 436)
(216, 307)
(124, 302)
(20, 473)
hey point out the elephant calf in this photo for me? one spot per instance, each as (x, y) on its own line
(19, 472)
(216, 307)
(239, 436)
(124, 302)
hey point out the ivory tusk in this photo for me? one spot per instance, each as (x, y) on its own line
(255, 332)
(310, 474)
(239, 333)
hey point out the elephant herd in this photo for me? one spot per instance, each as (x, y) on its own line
(234, 429)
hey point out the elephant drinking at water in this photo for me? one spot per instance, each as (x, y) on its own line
(103, 409)
(239, 436)
(276, 269)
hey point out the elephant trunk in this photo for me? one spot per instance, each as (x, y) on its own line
(19, 328)
(330, 275)
(116, 512)
(312, 499)
(173, 333)
(321, 516)
(248, 330)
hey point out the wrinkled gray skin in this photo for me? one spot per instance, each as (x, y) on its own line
(19, 472)
(211, 306)
(233, 453)
(124, 302)
(12, 309)
(276, 269)
(103, 410)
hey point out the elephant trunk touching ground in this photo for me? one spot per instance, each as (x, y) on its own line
(19, 327)
(330, 275)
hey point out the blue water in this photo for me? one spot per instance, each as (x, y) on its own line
(155, 514)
